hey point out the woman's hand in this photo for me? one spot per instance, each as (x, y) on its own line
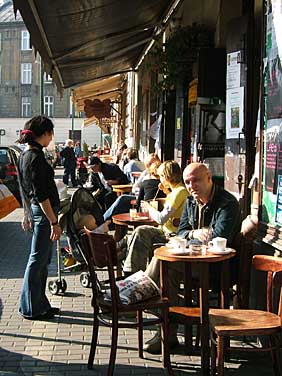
(163, 188)
(145, 206)
(56, 232)
(26, 224)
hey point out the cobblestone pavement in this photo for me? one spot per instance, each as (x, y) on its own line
(60, 346)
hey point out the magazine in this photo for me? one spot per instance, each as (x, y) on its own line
(135, 288)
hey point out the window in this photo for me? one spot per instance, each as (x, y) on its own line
(47, 78)
(48, 106)
(26, 69)
(26, 106)
(25, 41)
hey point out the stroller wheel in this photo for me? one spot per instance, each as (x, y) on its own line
(63, 286)
(57, 286)
(53, 287)
(85, 280)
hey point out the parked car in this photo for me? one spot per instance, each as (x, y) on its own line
(9, 156)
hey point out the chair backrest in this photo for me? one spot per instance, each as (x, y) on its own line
(100, 252)
(273, 267)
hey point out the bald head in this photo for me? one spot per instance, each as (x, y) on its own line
(196, 168)
(198, 180)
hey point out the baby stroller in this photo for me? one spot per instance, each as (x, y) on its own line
(82, 172)
(82, 203)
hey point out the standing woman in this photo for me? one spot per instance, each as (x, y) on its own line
(41, 206)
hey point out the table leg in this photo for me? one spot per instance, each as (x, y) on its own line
(164, 287)
(118, 233)
(225, 297)
(225, 281)
(204, 310)
(188, 303)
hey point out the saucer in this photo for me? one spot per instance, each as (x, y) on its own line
(219, 252)
(179, 252)
(140, 218)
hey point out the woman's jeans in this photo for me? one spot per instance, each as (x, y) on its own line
(33, 300)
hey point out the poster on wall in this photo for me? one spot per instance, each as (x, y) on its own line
(233, 71)
(271, 161)
(234, 112)
(274, 56)
(270, 158)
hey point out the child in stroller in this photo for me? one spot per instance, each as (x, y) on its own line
(88, 223)
(83, 207)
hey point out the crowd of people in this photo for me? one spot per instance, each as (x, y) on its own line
(194, 207)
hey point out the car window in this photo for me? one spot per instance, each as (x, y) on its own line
(4, 158)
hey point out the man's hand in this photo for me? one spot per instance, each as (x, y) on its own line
(201, 234)
(112, 182)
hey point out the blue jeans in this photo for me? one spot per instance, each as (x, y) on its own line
(33, 299)
(121, 205)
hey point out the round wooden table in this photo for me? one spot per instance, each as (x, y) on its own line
(125, 219)
(164, 254)
(119, 189)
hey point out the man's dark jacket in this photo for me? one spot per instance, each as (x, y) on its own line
(222, 214)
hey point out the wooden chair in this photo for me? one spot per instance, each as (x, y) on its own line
(241, 322)
(100, 251)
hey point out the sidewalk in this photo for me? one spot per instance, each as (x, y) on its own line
(60, 347)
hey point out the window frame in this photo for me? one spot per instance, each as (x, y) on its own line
(49, 105)
(26, 74)
(26, 105)
(25, 41)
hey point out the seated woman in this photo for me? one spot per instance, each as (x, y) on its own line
(133, 164)
(149, 188)
(140, 243)
(123, 202)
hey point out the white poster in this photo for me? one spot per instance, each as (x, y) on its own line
(234, 112)
(233, 70)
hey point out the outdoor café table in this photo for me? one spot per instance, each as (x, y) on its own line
(122, 188)
(164, 254)
(125, 219)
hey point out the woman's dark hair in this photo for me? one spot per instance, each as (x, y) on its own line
(36, 126)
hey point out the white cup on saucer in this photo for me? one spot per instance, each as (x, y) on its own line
(218, 244)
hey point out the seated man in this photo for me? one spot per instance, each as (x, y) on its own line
(103, 176)
(140, 244)
(209, 207)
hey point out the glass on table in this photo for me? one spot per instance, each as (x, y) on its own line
(133, 213)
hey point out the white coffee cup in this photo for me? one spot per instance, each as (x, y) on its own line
(182, 244)
(218, 243)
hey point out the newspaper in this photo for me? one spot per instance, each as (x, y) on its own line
(135, 288)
